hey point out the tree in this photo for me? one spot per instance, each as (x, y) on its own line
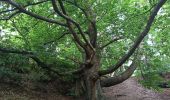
(88, 24)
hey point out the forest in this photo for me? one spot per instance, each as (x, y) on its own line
(84, 50)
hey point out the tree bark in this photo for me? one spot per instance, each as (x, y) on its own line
(111, 81)
(93, 90)
(91, 79)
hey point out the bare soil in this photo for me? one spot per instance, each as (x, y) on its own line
(15, 92)
(132, 90)
(128, 90)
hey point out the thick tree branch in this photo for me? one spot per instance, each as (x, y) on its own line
(77, 71)
(17, 12)
(74, 22)
(56, 9)
(120, 78)
(64, 15)
(22, 52)
(30, 4)
(138, 40)
(94, 42)
(92, 31)
(20, 8)
(44, 65)
(31, 55)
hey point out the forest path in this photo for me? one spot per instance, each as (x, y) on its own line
(132, 90)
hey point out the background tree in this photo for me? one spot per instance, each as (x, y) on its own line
(76, 33)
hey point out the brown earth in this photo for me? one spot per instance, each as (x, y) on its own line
(15, 92)
(132, 90)
(128, 90)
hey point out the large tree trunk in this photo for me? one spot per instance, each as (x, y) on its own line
(92, 86)
(89, 86)
(91, 79)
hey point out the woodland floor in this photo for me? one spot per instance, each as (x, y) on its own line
(128, 90)
(132, 90)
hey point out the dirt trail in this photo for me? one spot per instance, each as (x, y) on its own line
(132, 90)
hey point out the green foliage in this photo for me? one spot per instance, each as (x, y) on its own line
(152, 80)
(113, 18)
(8, 75)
